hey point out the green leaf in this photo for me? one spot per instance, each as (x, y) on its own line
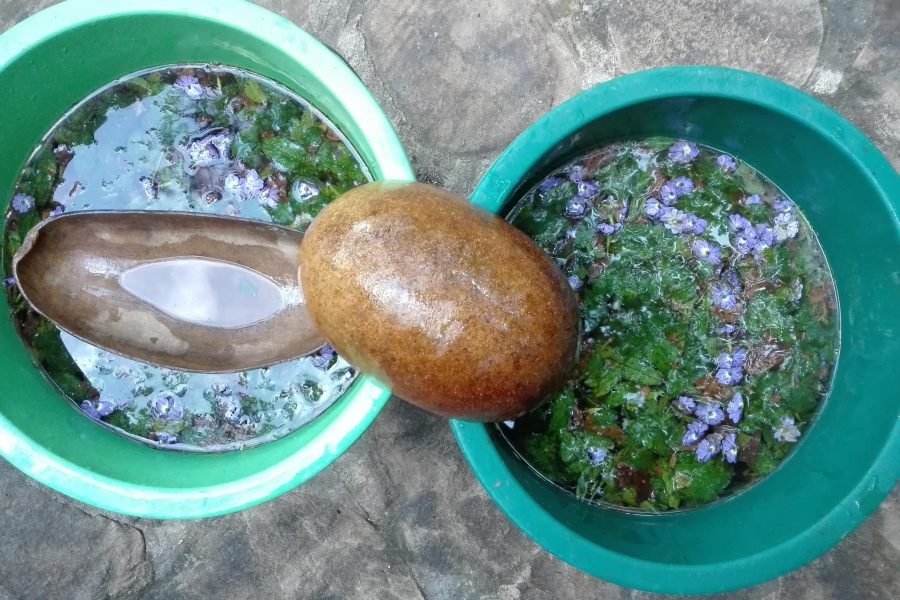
(640, 371)
(542, 452)
(561, 411)
(289, 157)
(253, 91)
(599, 377)
(765, 313)
(699, 483)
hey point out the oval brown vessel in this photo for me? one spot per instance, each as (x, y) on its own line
(458, 311)
(70, 269)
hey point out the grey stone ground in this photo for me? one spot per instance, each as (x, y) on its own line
(400, 515)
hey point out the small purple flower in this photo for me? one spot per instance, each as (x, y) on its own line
(252, 184)
(232, 183)
(269, 197)
(765, 235)
(222, 142)
(725, 361)
(577, 173)
(98, 408)
(22, 203)
(783, 205)
(201, 153)
(754, 199)
(727, 329)
(596, 456)
(685, 404)
(575, 282)
(730, 448)
(707, 252)
(588, 189)
(723, 296)
(785, 226)
(787, 431)
(695, 432)
(691, 223)
(57, 210)
(730, 376)
(737, 359)
(673, 219)
(549, 183)
(9, 281)
(683, 152)
(668, 194)
(682, 185)
(709, 448)
(735, 408)
(166, 407)
(699, 225)
(744, 241)
(609, 228)
(738, 223)
(576, 207)
(711, 414)
(324, 356)
(726, 163)
(191, 87)
(652, 208)
(164, 437)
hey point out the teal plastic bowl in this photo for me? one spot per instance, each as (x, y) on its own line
(47, 64)
(849, 460)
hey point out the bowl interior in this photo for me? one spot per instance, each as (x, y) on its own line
(847, 462)
(49, 63)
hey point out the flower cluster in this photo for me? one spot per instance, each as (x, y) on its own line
(709, 434)
(252, 186)
(205, 151)
(675, 220)
(731, 367)
(586, 202)
(748, 238)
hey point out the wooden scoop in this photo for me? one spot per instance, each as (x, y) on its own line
(183, 290)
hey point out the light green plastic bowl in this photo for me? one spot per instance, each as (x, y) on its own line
(52, 61)
(849, 460)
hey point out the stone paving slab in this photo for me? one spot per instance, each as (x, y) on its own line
(400, 516)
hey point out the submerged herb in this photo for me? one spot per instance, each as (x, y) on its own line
(709, 325)
(202, 139)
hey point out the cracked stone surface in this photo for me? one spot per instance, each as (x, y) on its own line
(400, 516)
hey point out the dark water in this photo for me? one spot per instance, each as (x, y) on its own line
(198, 138)
(710, 326)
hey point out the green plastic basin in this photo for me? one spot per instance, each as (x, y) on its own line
(849, 460)
(47, 64)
